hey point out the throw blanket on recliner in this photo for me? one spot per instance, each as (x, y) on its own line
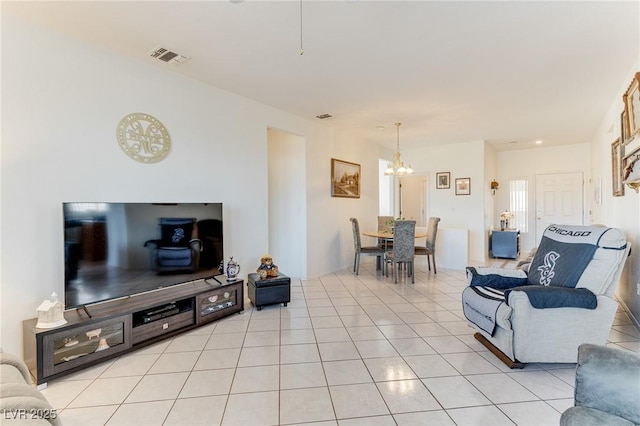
(480, 305)
(563, 254)
(544, 297)
(496, 277)
(480, 301)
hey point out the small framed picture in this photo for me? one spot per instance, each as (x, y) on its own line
(463, 186)
(443, 180)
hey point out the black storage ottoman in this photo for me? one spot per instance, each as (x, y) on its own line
(269, 290)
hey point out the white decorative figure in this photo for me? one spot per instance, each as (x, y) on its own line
(50, 313)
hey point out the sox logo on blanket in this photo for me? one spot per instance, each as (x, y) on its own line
(546, 270)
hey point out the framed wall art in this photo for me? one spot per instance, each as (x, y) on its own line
(463, 186)
(632, 106)
(443, 180)
(616, 168)
(345, 179)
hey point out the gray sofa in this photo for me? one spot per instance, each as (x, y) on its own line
(20, 401)
(607, 388)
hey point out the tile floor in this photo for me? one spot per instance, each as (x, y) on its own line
(347, 350)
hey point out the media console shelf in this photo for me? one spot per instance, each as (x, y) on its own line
(118, 326)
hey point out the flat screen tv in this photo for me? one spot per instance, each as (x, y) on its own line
(112, 250)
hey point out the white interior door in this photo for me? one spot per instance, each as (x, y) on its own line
(414, 199)
(559, 199)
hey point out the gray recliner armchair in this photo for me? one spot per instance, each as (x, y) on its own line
(607, 388)
(565, 298)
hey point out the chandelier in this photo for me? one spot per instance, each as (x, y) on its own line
(397, 168)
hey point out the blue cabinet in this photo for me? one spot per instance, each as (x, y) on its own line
(505, 244)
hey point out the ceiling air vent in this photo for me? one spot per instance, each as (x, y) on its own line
(324, 116)
(166, 55)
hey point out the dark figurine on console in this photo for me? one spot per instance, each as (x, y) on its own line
(267, 268)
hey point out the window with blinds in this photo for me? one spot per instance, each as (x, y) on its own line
(519, 203)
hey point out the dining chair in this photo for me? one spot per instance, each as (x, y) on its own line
(429, 249)
(402, 254)
(385, 224)
(357, 245)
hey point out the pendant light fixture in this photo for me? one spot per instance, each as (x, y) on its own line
(397, 168)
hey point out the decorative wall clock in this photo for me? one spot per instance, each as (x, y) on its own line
(143, 137)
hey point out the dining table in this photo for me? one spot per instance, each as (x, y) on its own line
(387, 236)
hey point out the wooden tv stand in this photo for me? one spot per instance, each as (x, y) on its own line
(108, 329)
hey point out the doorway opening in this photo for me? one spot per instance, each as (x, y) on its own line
(413, 196)
(287, 206)
(404, 197)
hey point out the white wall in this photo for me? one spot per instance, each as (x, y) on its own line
(624, 211)
(526, 164)
(62, 100)
(456, 211)
(329, 231)
(452, 248)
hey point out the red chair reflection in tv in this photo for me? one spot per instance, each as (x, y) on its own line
(176, 250)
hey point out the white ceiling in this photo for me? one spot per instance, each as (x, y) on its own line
(451, 71)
